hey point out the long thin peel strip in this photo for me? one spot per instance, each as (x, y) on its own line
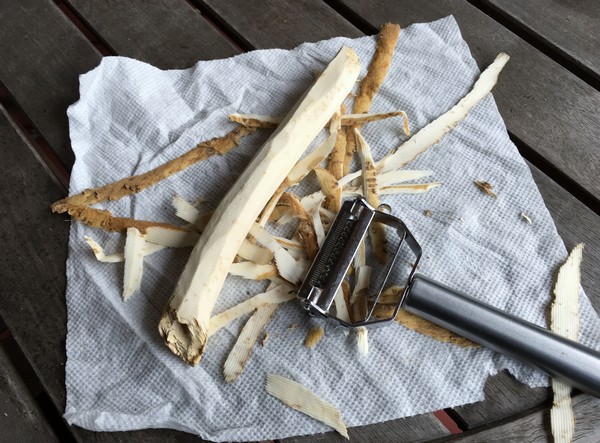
(400, 176)
(564, 320)
(134, 262)
(252, 271)
(370, 84)
(318, 224)
(370, 191)
(132, 185)
(170, 237)
(242, 349)
(434, 131)
(300, 398)
(278, 294)
(117, 257)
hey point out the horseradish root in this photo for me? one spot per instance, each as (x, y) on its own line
(185, 322)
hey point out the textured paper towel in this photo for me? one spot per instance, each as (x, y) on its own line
(132, 117)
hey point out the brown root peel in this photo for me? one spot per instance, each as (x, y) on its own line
(132, 185)
(370, 84)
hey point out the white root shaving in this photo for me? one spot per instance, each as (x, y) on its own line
(186, 211)
(400, 176)
(134, 262)
(117, 257)
(318, 225)
(255, 253)
(278, 294)
(341, 307)
(287, 266)
(358, 299)
(304, 400)
(239, 355)
(564, 320)
(434, 131)
(170, 237)
(100, 255)
(408, 189)
(252, 271)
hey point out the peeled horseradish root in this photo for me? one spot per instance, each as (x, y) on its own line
(185, 321)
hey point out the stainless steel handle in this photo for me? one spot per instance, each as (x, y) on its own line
(559, 357)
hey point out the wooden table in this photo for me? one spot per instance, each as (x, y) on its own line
(548, 97)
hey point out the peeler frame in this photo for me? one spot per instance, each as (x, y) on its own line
(334, 258)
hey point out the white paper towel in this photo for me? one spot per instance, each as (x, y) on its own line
(132, 117)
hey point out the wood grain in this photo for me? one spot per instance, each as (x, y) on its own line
(535, 427)
(545, 106)
(280, 23)
(20, 416)
(165, 33)
(567, 27)
(420, 428)
(42, 56)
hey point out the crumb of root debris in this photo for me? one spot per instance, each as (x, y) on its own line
(293, 326)
(427, 213)
(526, 218)
(314, 336)
(485, 188)
(264, 340)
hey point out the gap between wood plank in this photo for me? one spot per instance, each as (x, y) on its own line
(35, 387)
(215, 21)
(501, 422)
(558, 176)
(42, 148)
(228, 31)
(88, 32)
(545, 47)
(448, 418)
(354, 18)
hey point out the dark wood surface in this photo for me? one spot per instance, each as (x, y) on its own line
(46, 45)
(551, 23)
(19, 413)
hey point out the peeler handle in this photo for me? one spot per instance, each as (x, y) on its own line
(559, 357)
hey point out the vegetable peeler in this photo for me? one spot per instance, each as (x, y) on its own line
(557, 356)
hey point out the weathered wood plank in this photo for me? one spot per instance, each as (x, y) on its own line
(20, 416)
(42, 56)
(504, 397)
(34, 308)
(535, 428)
(165, 33)
(281, 24)
(569, 27)
(420, 428)
(544, 105)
